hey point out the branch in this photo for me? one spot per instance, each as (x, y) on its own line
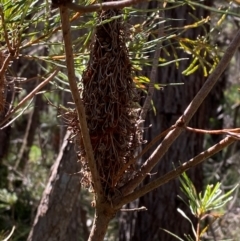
(5, 64)
(153, 73)
(29, 96)
(134, 209)
(50, 33)
(78, 102)
(230, 132)
(101, 6)
(184, 119)
(214, 132)
(118, 203)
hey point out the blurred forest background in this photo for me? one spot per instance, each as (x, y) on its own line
(31, 134)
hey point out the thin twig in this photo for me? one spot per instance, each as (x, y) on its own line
(184, 119)
(133, 209)
(78, 102)
(19, 114)
(5, 64)
(29, 96)
(214, 132)
(230, 132)
(50, 33)
(174, 173)
(153, 74)
(198, 230)
(25, 140)
(10, 234)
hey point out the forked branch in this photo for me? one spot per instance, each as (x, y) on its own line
(184, 119)
(174, 173)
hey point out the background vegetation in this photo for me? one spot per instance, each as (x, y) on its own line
(35, 94)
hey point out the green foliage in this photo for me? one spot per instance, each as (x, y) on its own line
(35, 153)
(7, 199)
(202, 205)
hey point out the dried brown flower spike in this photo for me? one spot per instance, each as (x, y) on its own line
(109, 95)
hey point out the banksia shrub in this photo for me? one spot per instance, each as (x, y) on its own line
(110, 97)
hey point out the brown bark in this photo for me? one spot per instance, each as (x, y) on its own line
(59, 197)
(170, 103)
(4, 138)
(5, 99)
(103, 215)
(77, 229)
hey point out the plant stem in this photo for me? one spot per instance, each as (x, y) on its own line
(120, 201)
(103, 215)
(78, 102)
(198, 230)
(153, 75)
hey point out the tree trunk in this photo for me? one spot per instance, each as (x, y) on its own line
(170, 103)
(59, 198)
(77, 229)
(5, 98)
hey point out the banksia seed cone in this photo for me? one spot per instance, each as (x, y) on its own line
(109, 96)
